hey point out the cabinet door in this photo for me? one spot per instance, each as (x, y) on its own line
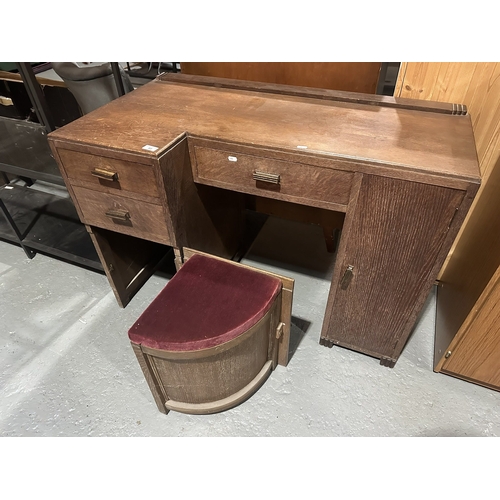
(394, 243)
(474, 354)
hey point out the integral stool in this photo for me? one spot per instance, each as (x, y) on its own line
(213, 335)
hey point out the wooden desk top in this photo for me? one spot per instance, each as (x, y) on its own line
(160, 112)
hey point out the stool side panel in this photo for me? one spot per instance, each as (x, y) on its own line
(219, 374)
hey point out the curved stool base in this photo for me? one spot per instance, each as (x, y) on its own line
(213, 335)
(226, 403)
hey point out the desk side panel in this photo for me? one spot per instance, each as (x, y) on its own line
(202, 217)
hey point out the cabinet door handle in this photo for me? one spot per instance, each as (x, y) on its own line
(104, 174)
(266, 177)
(118, 214)
(347, 277)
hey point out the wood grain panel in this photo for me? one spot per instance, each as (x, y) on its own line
(350, 76)
(316, 93)
(207, 379)
(475, 351)
(390, 275)
(201, 217)
(133, 179)
(145, 220)
(127, 261)
(474, 261)
(212, 374)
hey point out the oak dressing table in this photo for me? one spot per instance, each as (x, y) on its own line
(173, 163)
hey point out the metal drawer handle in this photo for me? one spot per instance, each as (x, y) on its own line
(118, 214)
(266, 177)
(105, 174)
(347, 277)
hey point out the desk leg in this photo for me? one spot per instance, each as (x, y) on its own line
(127, 261)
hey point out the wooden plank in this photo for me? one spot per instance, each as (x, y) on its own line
(453, 81)
(465, 327)
(416, 80)
(324, 94)
(441, 82)
(487, 129)
(16, 77)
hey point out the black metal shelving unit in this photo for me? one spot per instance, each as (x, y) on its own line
(34, 218)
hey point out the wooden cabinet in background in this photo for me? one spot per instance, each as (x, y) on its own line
(474, 353)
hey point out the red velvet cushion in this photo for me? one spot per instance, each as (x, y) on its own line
(208, 302)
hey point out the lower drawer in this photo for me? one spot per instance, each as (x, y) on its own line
(124, 215)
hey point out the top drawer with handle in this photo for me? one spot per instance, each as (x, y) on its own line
(269, 177)
(110, 175)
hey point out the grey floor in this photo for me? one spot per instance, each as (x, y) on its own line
(68, 369)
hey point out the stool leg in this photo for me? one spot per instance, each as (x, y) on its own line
(178, 259)
(154, 384)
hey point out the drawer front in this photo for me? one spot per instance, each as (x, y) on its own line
(124, 215)
(296, 182)
(110, 175)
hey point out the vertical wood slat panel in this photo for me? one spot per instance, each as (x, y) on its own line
(389, 277)
(487, 129)
(453, 82)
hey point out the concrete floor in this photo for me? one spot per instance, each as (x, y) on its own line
(68, 369)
